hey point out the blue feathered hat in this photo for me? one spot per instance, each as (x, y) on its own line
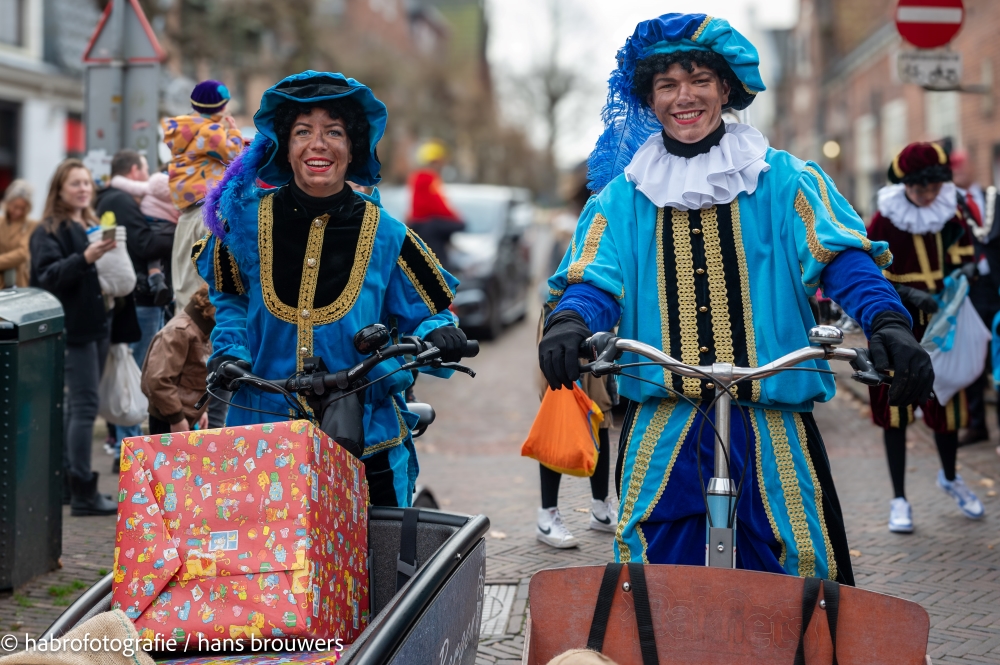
(313, 86)
(628, 121)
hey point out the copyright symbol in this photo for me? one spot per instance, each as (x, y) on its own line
(8, 642)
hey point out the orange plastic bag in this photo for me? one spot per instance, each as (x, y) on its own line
(564, 434)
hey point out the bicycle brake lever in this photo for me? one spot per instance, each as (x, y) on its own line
(600, 368)
(201, 402)
(458, 368)
(865, 372)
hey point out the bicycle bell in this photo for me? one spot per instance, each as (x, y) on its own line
(371, 338)
(825, 336)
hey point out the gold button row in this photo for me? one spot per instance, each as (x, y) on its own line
(317, 222)
(704, 349)
(700, 271)
(311, 262)
(696, 231)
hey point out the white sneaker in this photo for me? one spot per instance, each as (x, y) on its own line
(964, 497)
(900, 516)
(552, 531)
(604, 514)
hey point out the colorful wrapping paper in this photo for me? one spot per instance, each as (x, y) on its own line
(248, 532)
(300, 658)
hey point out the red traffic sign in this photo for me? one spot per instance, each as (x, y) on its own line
(929, 23)
(129, 37)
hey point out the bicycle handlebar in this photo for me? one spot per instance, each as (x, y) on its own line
(604, 348)
(425, 354)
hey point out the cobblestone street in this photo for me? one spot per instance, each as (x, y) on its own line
(470, 460)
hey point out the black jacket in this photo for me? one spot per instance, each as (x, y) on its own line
(58, 266)
(146, 242)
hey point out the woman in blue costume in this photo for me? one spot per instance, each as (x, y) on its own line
(297, 262)
(704, 242)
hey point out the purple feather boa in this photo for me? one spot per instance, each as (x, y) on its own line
(224, 200)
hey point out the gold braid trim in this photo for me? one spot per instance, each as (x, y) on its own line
(405, 267)
(883, 259)
(763, 490)
(701, 28)
(235, 269)
(348, 297)
(718, 295)
(556, 293)
(820, 253)
(831, 560)
(956, 252)
(393, 442)
(431, 259)
(745, 87)
(661, 292)
(741, 261)
(197, 248)
(925, 262)
(642, 457)
(793, 496)
(590, 245)
(666, 477)
(866, 244)
(686, 302)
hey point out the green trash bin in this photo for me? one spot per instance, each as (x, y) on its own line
(31, 434)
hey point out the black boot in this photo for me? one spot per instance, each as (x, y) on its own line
(87, 500)
(159, 290)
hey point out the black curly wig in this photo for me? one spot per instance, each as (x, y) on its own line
(926, 176)
(343, 108)
(647, 69)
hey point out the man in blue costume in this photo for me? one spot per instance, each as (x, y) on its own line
(706, 243)
(297, 262)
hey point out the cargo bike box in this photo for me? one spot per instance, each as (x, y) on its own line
(242, 533)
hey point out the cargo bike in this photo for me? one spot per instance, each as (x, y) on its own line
(426, 567)
(716, 613)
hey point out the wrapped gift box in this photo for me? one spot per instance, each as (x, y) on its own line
(246, 532)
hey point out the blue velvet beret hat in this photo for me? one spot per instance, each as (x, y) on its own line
(628, 122)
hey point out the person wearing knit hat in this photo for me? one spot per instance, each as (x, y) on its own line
(918, 217)
(210, 97)
(704, 242)
(202, 145)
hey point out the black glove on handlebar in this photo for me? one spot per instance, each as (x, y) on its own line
(893, 346)
(215, 380)
(450, 340)
(559, 350)
(922, 300)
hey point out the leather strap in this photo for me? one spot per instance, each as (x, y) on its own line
(831, 594)
(809, 596)
(602, 610)
(643, 615)
(406, 560)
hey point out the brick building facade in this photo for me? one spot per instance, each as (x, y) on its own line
(849, 111)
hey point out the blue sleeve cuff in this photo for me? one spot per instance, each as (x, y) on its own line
(854, 282)
(600, 311)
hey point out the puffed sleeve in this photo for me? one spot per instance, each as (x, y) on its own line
(824, 224)
(420, 291)
(226, 290)
(592, 257)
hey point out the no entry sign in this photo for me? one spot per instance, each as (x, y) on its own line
(929, 23)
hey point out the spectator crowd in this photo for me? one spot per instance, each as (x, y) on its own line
(119, 261)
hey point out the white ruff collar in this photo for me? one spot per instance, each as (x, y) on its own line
(893, 204)
(712, 178)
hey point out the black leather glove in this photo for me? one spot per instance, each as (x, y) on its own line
(559, 350)
(894, 347)
(970, 270)
(217, 381)
(922, 300)
(450, 340)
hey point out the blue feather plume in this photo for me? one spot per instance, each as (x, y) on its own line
(628, 123)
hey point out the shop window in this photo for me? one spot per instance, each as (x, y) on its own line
(8, 144)
(74, 135)
(12, 22)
